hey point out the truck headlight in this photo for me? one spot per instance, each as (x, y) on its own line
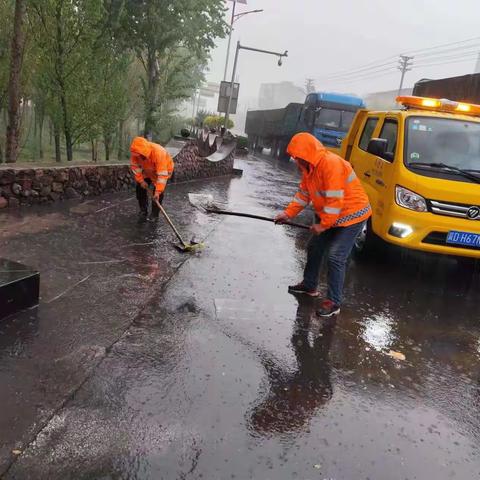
(411, 200)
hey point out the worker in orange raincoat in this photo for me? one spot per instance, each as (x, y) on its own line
(341, 207)
(153, 166)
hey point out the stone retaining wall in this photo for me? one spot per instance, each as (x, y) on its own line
(28, 186)
(189, 165)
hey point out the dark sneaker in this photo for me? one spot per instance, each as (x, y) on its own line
(328, 309)
(300, 288)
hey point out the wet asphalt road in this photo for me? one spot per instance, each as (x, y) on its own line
(142, 363)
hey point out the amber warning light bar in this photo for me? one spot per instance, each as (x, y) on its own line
(439, 105)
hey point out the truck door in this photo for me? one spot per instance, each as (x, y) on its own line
(362, 161)
(307, 118)
(383, 168)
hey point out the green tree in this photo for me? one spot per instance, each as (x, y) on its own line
(68, 36)
(172, 39)
(201, 116)
(217, 121)
(6, 13)
(14, 82)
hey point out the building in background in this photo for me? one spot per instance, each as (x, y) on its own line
(279, 95)
(384, 100)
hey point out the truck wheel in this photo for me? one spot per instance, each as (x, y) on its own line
(273, 149)
(255, 145)
(282, 151)
(367, 244)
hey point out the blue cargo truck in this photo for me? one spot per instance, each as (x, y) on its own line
(328, 116)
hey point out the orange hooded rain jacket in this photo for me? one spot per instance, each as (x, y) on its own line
(331, 185)
(157, 165)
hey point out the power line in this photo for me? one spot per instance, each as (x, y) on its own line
(435, 51)
(377, 75)
(359, 70)
(450, 57)
(371, 73)
(448, 52)
(459, 60)
(417, 52)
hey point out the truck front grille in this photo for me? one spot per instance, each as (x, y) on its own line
(458, 210)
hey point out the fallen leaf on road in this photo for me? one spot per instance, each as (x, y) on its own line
(396, 355)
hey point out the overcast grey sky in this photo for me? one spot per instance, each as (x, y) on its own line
(326, 36)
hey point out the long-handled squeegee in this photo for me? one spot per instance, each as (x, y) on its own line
(184, 247)
(205, 203)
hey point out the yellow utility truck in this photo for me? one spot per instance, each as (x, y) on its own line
(420, 166)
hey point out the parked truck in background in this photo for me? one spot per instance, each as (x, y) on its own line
(465, 88)
(327, 116)
(420, 166)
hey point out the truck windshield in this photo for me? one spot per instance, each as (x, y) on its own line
(347, 119)
(334, 119)
(328, 118)
(452, 143)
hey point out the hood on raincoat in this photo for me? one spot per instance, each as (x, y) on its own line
(306, 147)
(141, 146)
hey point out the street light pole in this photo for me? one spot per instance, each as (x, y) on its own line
(229, 39)
(235, 17)
(232, 84)
(234, 72)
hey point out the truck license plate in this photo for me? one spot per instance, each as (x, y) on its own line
(464, 238)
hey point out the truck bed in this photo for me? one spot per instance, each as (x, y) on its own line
(465, 88)
(273, 123)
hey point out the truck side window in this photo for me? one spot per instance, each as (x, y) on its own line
(367, 133)
(389, 133)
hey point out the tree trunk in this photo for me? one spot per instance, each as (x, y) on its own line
(107, 140)
(151, 94)
(94, 147)
(35, 130)
(14, 98)
(68, 143)
(56, 137)
(120, 139)
(67, 130)
(41, 121)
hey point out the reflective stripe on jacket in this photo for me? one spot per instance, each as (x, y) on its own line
(331, 185)
(158, 164)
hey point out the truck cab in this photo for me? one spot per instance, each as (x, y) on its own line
(420, 167)
(328, 116)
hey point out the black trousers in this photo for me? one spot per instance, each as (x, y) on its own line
(142, 197)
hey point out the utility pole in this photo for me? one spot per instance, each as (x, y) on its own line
(310, 85)
(477, 65)
(404, 65)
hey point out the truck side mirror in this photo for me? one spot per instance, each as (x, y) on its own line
(377, 147)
